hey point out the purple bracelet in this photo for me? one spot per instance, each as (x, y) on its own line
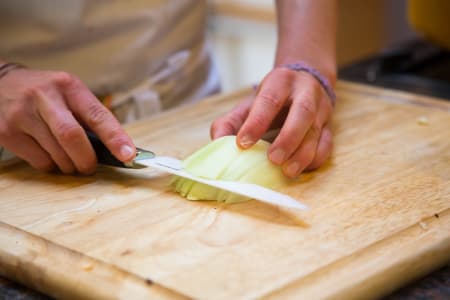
(7, 67)
(301, 66)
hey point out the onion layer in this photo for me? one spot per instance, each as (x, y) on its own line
(222, 159)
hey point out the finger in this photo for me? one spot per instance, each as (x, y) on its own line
(325, 110)
(29, 150)
(299, 119)
(309, 146)
(324, 149)
(304, 155)
(232, 121)
(36, 127)
(67, 131)
(88, 109)
(279, 120)
(272, 95)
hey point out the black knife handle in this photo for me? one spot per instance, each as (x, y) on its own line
(104, 156)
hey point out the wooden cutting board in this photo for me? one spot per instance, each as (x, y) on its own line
(379, 215)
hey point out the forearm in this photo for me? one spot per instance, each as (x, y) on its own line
(307, 32)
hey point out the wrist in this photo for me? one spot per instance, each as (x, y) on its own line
(327, 85)
(319, 56)
(326, 67)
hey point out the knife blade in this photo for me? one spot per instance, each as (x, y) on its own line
(145, 158)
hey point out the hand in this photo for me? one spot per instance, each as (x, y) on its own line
(296, 103)
(42, 116)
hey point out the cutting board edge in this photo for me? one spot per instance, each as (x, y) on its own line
(67, 274)
(324, 284)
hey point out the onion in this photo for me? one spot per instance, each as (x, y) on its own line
(222, 159)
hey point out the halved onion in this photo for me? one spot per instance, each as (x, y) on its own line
(222, 159)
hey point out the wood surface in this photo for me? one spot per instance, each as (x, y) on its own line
(379, 214)
(64, 273)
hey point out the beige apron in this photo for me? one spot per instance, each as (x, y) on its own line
(149, 54)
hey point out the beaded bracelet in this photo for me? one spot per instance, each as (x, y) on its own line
(8, 67)
(301, 66)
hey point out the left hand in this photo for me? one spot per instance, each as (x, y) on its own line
(296, 103)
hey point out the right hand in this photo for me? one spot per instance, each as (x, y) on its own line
(42, 119)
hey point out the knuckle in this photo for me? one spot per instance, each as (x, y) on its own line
(32, 92)
(308, 106)
(231, 122)
(222, 126)
(97, 114)
(218, 124)
(270, 101)
(309, 79)
(258, 121)
(285, 72)
(67, 132)
(63, 78)
(229, 127)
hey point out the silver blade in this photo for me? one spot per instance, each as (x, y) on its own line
(174, 166)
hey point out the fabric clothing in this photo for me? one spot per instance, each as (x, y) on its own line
(148, 54)
(142, 55)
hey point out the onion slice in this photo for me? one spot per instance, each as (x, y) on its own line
(222, 159)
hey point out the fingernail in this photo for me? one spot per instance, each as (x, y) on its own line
(246, 141)
(277, 156)
(292, 169)
(127, 152)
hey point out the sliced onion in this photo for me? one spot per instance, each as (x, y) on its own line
(222, 159)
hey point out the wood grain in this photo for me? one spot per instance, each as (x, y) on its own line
(64, 273)
(379, 211)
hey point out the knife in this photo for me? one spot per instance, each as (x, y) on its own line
(145, 158)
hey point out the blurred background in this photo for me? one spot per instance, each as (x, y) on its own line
(375, 44)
